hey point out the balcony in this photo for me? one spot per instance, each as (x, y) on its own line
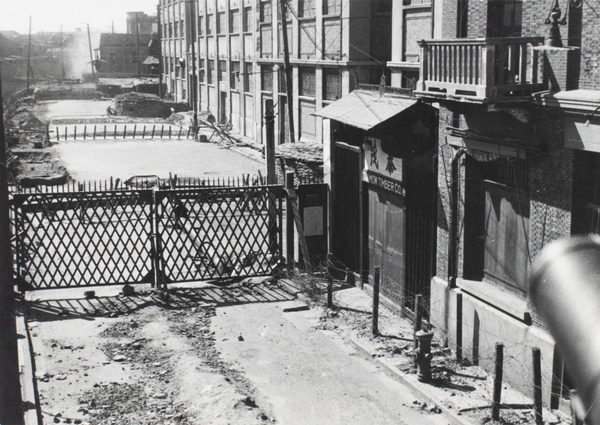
(480, 70)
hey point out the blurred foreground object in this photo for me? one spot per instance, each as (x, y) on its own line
(565, 290)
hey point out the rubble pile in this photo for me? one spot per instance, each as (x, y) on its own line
(145, 105)
(304, 158)
(62, 91)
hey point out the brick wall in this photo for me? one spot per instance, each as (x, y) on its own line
(477, 26)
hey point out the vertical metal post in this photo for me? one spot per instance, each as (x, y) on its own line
(417, 325)
(537, 386)
(289, 221)
(497, 395)
(160, 62)
(10, 388)
(375, 324)
(459, 326)
(329, 288)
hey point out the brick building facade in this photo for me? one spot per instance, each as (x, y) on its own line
(516, 158)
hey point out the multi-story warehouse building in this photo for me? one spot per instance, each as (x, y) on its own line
(333, 46)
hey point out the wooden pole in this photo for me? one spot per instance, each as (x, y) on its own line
(91, 55)
(375, 324)
(537, 386)
(160, 62)
(497, 395)
(289, 88)
(329, 287)
(10, 387)
(29, 56)
(270, 142)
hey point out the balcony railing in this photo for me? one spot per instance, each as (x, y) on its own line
(480, 69)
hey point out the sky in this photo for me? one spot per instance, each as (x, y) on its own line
(48, 15)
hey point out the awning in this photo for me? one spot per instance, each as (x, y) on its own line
(366, 109)
(150, 60)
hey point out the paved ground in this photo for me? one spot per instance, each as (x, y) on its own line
(101, 159)
(211, 355)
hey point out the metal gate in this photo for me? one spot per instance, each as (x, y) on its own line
(144, 236)
(219, 233)
(83, 238)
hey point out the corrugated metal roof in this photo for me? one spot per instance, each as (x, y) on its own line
(366, 109)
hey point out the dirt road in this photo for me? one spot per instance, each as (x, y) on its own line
(211, 355)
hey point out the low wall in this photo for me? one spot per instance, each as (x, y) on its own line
(484, 325)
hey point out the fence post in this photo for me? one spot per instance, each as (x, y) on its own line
(84, 132)
(179, 135)
(66, 133)
(289, 221)
(417, 325)
(153, 128)
(57, 135)
(75, 133)
(144, 132)
(162, 127)
(134, 130)
(105, 131)
(125, 132)
(497, 395)
(537, 386)
(115, 134)
(95, 132)
(375, 324)
(329, 285)
(459, 326)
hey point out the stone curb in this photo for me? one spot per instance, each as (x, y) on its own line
(419, 388)
(31, 407)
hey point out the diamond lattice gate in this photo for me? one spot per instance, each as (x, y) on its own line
(123, 237)
(218, 232)
(84, 238)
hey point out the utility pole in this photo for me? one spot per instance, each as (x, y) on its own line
(29, 55)
(10, 387)
(91, 56)
(288, 70)
(137, 42)
(194, 84)
(160, 63)
(62, 55)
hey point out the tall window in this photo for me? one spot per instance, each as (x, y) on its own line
(212, 77)
(200, 25)
(248, 77)
(234, 21)
(306, 8)
(265, 12)
(247, 19)
(332, 7)
(221, 23)
(307, 82)
(332, 84)
(234, 75)
(504, 18)
(223, 71)
(266, 76)
(201, 70)
(209, 24)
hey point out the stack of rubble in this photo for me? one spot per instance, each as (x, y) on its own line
(303, 158)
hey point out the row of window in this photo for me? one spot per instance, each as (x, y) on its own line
(211, 71)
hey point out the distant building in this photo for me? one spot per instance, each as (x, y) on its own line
(146, 24)
(125, 55)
